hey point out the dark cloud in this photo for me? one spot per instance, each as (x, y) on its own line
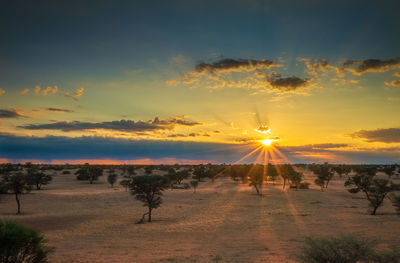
(359, 67)
(122, 125)
(9, 113)
(289, 84)
(54, 110)
(50, 148)
(229, 64)
(390, 135)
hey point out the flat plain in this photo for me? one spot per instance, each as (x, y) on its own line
(224, 221)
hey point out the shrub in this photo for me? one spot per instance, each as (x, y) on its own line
(20, 244)
(304, 185)
(345, 249)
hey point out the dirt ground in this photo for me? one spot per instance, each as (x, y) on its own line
(224, 219)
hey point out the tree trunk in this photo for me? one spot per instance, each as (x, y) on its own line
(284, 184)
(18, 203)
(149, 215)
(374, 210)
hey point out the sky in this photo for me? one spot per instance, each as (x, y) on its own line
(199, 81)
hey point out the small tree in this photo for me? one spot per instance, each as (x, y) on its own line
(148, 189)
(112, 178)
(125, 183)
(376, 190)
(194, 184)
(21, 244)
(181, 175)
(37, 178)
(199, 172)
(272, 172)
(257, 178)
(88, 172)
(324, 175)
(17, 184)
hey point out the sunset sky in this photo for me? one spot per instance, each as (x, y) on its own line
(191, 81)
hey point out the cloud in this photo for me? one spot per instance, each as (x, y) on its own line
(10, 113)
(2, 91)
(315, 66)
(289, 84)
(359, 67)
(57, 110)
(122, 125)
(397, 74)
(234, 65)
(53, 90)
(76, 95)
(44, 92)
(390, 135)
(179, 59)
(394, 83)
(24, 91)
(16, 148)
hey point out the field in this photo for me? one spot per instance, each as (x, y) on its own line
(224, 220)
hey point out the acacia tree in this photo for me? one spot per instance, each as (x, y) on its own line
(91, 173)
(37, 178)
(272, 172)
(194, 184)
(199, 172)
(324, 175)
(16, 184)
(257, 178)
(125, 183)
(112, 177)
(375, 189)
(148, 189)
(181, 175)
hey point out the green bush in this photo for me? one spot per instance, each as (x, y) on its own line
(20, 244)
(345, 249)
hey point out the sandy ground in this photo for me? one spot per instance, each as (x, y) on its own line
(95, 223)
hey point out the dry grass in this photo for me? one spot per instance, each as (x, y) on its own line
(94, 223)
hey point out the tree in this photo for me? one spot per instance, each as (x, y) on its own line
(272, 172)
(148, 169)
(342, 169)
(389, 170)
(112, 178)
(199, 172)
(148, 189)
(284, 171)
(376, 190)
(125, 183)
(181, 175)
(21, 244)
(345, 249)
(324, 175)
(294, 177)
(257, 178)
(131, 170)
(88, 172)
(17, 184)
(194, 184)
(37, 178)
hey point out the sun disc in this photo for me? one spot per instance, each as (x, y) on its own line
(267, 142)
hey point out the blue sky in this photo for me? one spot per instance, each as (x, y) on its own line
(103, 62)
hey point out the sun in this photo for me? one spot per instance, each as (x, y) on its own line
(267, 142)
